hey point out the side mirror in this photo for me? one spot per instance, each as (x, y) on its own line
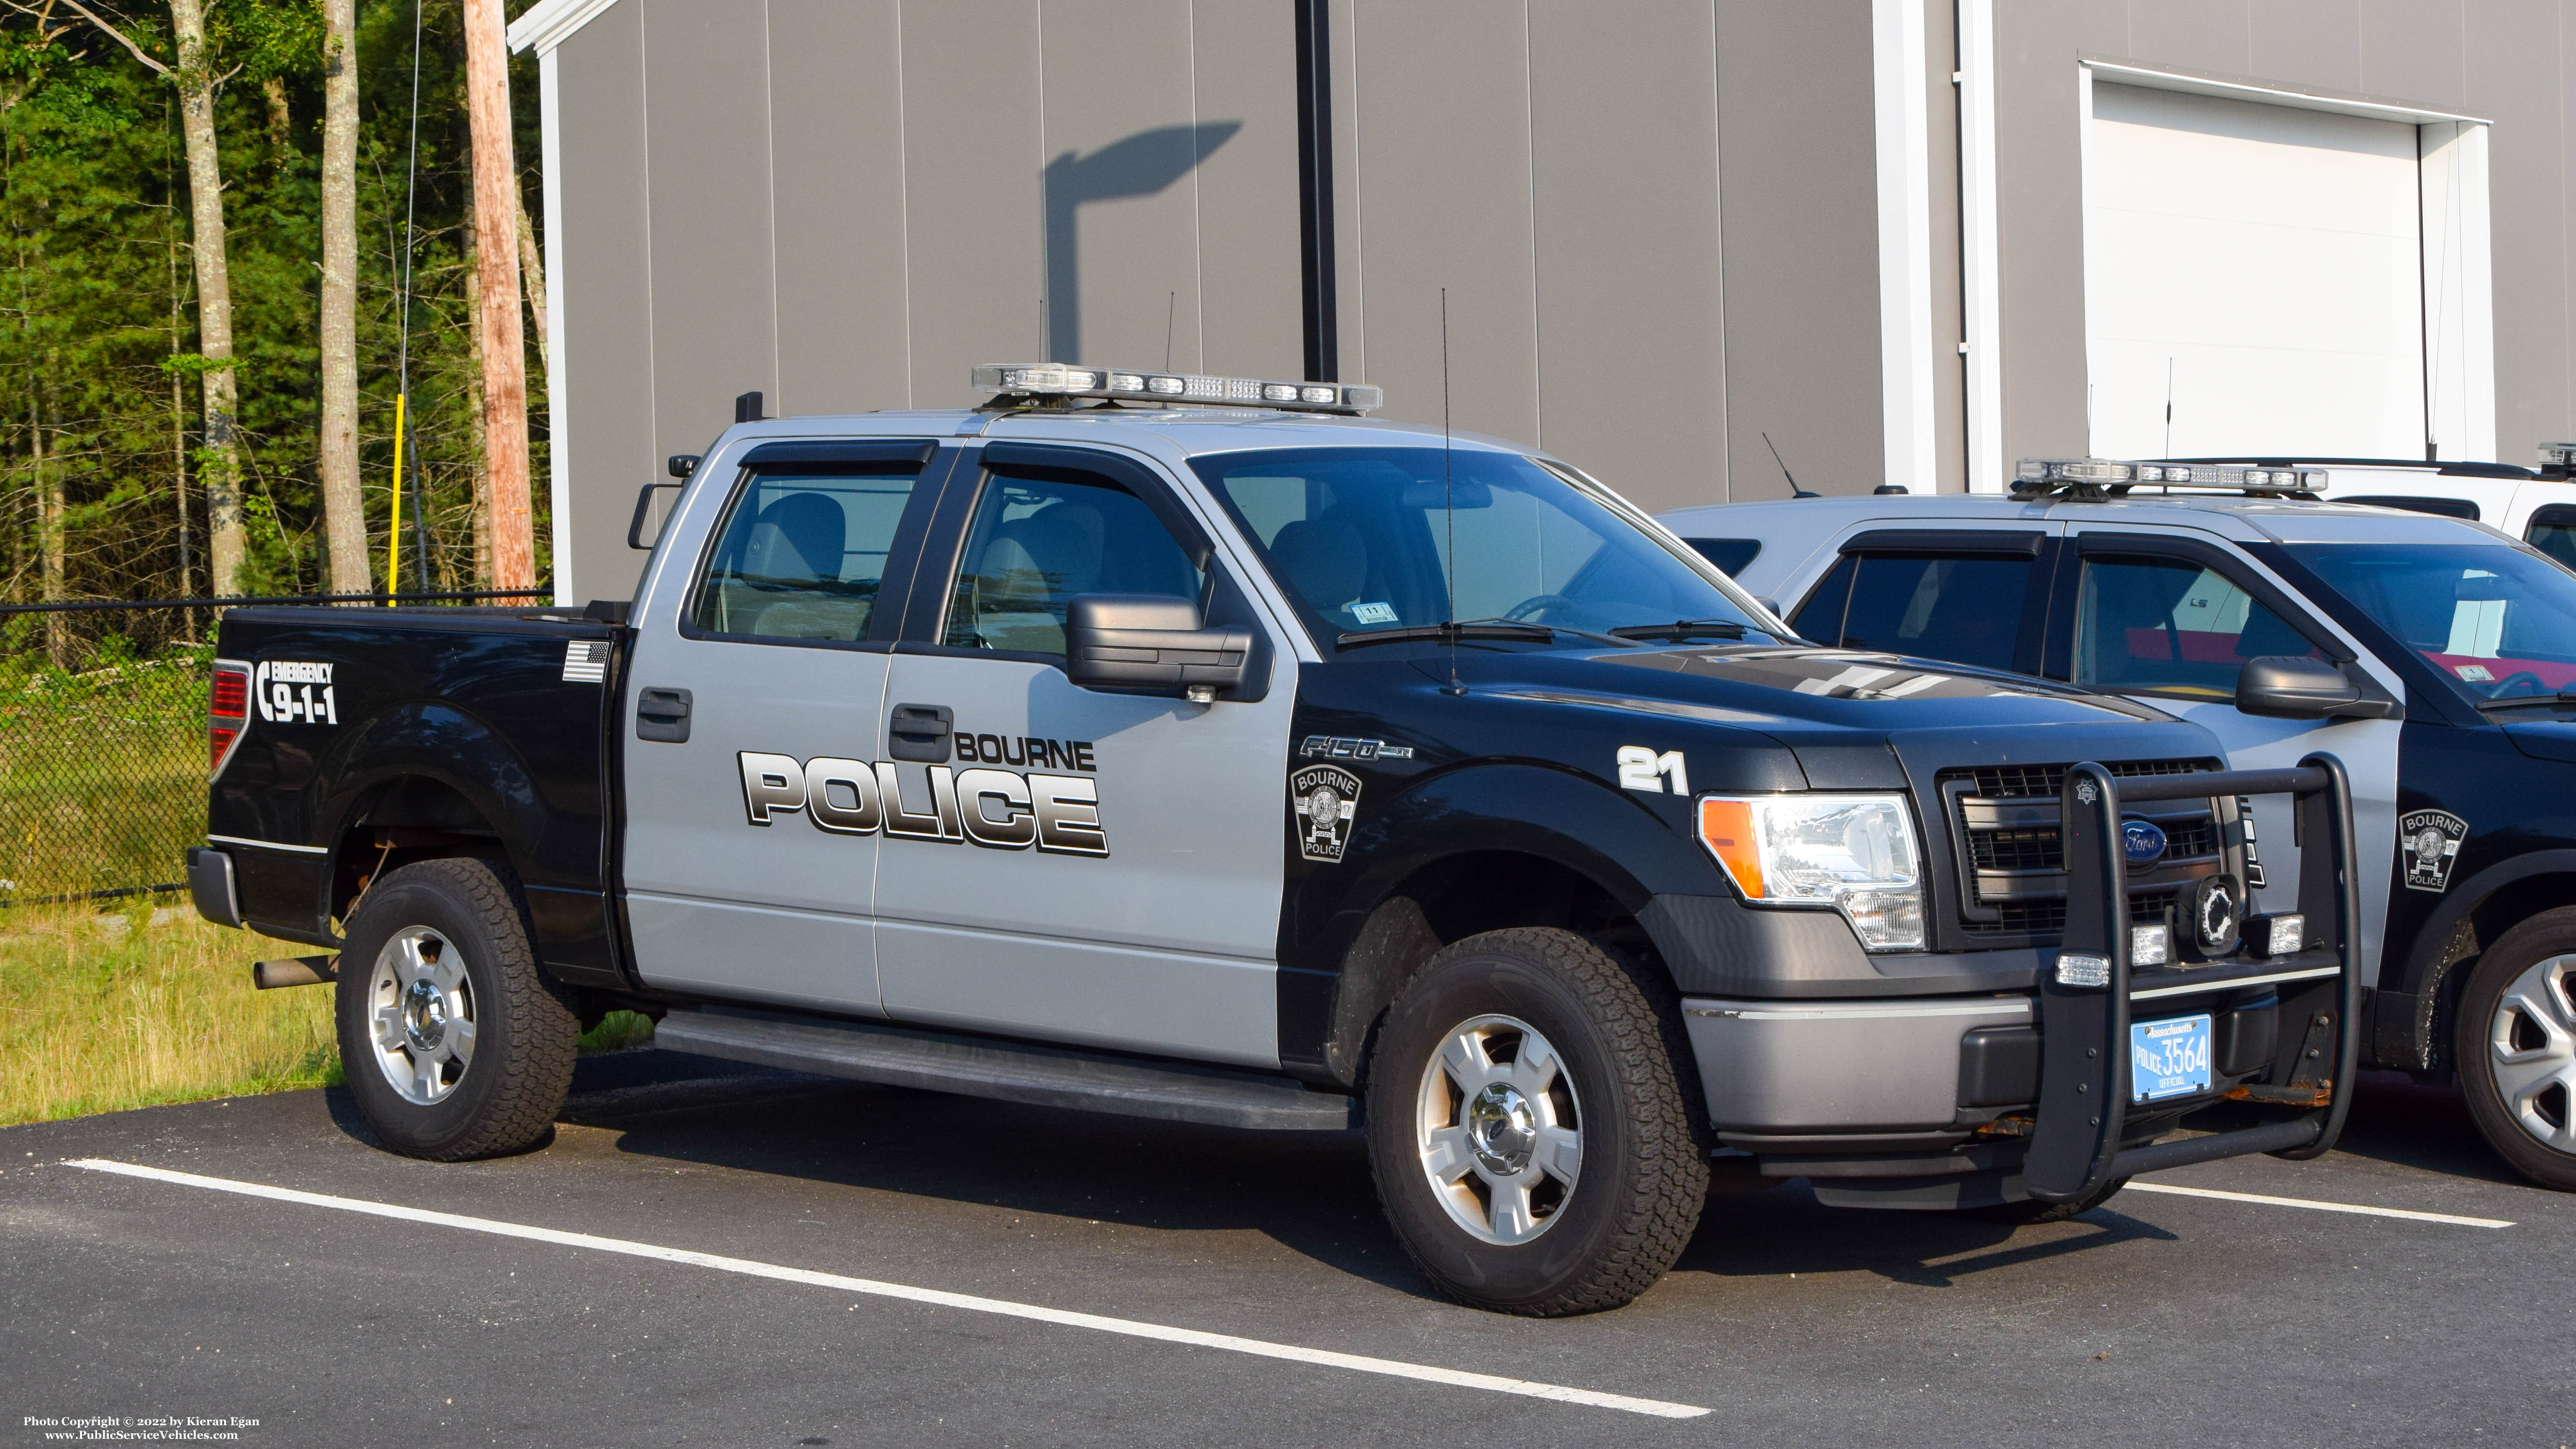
(2285, 687)
(636, 537)
(1151, 643)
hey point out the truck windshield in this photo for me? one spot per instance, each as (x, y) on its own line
(2498, 622)
(1376, 539)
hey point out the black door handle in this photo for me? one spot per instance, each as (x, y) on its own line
(920, 732)
(662, 715)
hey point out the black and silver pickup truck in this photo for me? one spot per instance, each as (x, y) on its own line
(1266, 765)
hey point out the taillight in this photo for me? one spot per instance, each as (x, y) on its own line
(227, 711)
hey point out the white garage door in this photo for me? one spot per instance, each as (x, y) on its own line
(2257, 270)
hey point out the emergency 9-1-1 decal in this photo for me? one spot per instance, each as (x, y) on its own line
(295, 691)
(1327, 798)
(2430, 841)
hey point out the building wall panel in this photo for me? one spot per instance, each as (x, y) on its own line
(974, 142)
(1630, 330)
(1252, 298)
(836, 144)
(706, 74)
(605, 388)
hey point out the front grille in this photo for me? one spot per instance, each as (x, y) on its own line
(2004, 826)
(2022, 782)
(2038, 918)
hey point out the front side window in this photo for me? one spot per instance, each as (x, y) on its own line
(803, 552)
(1368, 539)
(1036, 543)
(2166, 626)
(2497, 622)
(1965, 609)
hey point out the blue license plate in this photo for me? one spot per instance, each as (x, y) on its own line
(2169, 1058)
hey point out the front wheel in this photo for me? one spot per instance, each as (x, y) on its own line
(454, 1044)
(2516, 1047)
(1530, 1128)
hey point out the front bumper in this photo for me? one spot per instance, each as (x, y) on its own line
(1951, 1099)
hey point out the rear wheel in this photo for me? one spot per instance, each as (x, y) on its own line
(2516, 1047)
(1530, 1127)
(454, 1044)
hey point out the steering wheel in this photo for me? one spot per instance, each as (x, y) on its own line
(2521, 681)
(1534, 604)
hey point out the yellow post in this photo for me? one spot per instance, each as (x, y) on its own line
(393, 535)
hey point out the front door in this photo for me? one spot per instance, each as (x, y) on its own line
(1062, 863)
(752, 716)
(2170, 622)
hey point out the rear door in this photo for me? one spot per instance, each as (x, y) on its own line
(2169, 621)
(1064, 863)
(751, 800)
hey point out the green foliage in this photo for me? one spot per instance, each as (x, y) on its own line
(99, 360)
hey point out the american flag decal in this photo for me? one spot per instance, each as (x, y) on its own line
(586, 661)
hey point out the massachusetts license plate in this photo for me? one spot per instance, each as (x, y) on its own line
(2169, 1058)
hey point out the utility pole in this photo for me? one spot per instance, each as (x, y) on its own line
(496, 266)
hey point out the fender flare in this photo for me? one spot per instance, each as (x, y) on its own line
(2409, 1040)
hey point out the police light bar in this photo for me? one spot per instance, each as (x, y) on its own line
(2558, 455)
(1054, 380)
(2096, 475)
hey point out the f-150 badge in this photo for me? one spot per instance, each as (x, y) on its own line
(1326, 797)
(2430, 840)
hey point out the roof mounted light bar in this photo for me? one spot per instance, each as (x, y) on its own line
(2103, 478)
(1054, 380)
(2558, 455)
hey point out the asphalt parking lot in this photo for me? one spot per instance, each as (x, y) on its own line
(708, 1257)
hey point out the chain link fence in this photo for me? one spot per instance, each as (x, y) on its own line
(103, 739)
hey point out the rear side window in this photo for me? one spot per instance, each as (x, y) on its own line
(1963, 608)
(2553, 532)
(1729, 554)
(803, 552)
(2167, 626)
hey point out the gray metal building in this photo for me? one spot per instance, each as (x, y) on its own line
(1909, 240)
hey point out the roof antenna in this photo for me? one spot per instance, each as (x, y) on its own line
(1448, 498)
(1171, 309)
(1794, 490)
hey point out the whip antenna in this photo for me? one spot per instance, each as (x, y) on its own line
(1448, 497)
(1794, 490)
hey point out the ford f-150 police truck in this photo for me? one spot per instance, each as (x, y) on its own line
(2441, 660)
(1256, 763)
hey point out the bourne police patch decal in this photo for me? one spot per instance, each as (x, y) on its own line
(2430, 840)
(1326, 797)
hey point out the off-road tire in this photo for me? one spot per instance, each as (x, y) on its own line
(2030, 1210)
(527, 1027)
(2546, 936)
(1616, 1028)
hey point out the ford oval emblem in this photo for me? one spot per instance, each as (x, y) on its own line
(2143, 842)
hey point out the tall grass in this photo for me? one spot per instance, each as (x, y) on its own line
(103, 1012)
(146, 1005)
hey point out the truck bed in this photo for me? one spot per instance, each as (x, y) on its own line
(376, 731)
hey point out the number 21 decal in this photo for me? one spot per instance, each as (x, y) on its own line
(1642, 769)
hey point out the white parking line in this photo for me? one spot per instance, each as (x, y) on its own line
(1358, 1363)
(2323, 1207)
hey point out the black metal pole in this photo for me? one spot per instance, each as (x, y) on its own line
(1315, 188)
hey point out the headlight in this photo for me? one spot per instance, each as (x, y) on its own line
(1856, 853)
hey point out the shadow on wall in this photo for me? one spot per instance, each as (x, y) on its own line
(1140, 165)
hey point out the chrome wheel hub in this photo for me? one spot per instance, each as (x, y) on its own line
(1502, 1130)
(420, 1015)
(1499, 1130)
(2531, 1052)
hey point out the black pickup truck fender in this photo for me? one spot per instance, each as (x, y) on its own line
(1425, 867)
